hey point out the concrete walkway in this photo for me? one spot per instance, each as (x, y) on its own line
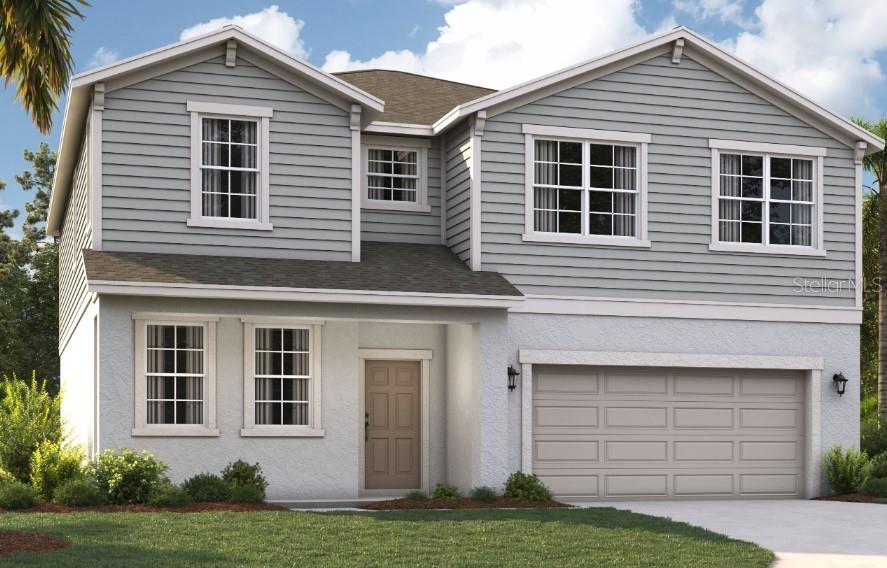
(801, 533)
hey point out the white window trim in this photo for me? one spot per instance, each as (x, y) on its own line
(817, 155)
(418, 145)
(140, 387)
(263, 116)
(315, 409)
(586, 135)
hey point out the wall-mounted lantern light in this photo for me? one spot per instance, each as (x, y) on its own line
(512, 378)
(840, 383)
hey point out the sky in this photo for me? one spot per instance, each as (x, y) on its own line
(834, 51)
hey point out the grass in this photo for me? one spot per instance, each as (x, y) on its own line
(578, 537)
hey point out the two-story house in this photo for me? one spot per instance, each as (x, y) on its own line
(343, 276)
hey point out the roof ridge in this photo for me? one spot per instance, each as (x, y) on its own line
(415, 75)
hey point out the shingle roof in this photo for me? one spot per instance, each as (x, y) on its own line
(386, 267)
(410, 98)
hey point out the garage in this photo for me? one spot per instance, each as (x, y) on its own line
(642, 432)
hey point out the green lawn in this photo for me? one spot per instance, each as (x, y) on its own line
(578, 537)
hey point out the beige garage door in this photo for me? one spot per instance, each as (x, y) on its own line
(620, 433)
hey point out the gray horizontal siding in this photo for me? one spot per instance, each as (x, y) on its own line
(458, 198)
(682, 106)
(146, 169)
(76, 235)
(409, 226)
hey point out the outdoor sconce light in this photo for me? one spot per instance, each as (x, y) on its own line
(840, 383)
(512, 378)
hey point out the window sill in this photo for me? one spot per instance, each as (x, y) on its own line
(396, 206)
(281, 432)
(230, 224)
(630, 242)
(176, 431)
(784, 250)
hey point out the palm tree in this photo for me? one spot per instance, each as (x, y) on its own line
(876, 164)
(35, 41)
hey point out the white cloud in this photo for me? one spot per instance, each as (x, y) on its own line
(271, 25)
(725, 10)
(498, 43)
(825, 49)
(102, 56)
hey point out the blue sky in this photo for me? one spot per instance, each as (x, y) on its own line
(832, 50)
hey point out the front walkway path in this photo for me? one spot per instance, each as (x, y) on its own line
(801, 533)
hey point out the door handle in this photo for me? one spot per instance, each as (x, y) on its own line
(366, 427)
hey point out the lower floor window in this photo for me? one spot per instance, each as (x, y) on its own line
(282, 376)
(175, 374)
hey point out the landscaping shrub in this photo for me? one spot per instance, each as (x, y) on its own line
(245, 494)
(5, 476)
(168, 495)
(79, 492)
(16, 495)
(52, 464)
(207, 488)
(417, 495)
(873, 435)
(241, 474)
(127, 476)
(28, 416)
(875, 486)
(844, 469)
(445, 492)
(526, 487)
(877, 467)
(484, 493)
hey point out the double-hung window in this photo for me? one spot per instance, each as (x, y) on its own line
(766, 198)
(395, 175)
(175, 377)
(229, 166)
(282, 379)
(585, 186)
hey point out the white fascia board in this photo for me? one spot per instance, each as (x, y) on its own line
(404, 129)
(217, 291)
(73, 126)
(631, 307)
(680, 360)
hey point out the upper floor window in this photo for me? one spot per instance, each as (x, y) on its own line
(766, 198)
(229, 166)
(586, 186)
(395, 173)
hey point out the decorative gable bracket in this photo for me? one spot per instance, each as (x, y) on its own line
(678, 51)
(231, 53)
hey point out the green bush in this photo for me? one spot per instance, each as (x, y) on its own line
(52, 464)
(28, 416)
(877, 467)
(241, 474)
(127, 476)
(207, 488)
(79, 492)
(5, 476)
(169, 495)
(16, 495)
(844, 469)
(245, 494)
(526, 487)
(416, 495)
(445, 492)
(876, 487)
(484, 493)
(873, 435)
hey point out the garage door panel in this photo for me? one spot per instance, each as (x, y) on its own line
(671, 433)
(567, 380)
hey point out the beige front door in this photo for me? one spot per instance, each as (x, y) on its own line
(392, 425)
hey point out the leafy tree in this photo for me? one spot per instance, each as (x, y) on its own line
(35, 52)
(28, 416)
(876, 163)
(868, 336)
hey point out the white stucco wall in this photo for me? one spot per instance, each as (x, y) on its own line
(302, 468)
(838, 344)
(78, 381)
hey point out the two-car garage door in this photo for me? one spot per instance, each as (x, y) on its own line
(617, 433)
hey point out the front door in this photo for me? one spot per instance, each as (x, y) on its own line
(392, 425)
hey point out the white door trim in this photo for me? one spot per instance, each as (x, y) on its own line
(812, 366)
(423, 356)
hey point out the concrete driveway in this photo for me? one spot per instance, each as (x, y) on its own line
(801, 533)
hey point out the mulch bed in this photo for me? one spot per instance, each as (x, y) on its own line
(13, 542)
(503, 503)
(851, 498)
(190, 508)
